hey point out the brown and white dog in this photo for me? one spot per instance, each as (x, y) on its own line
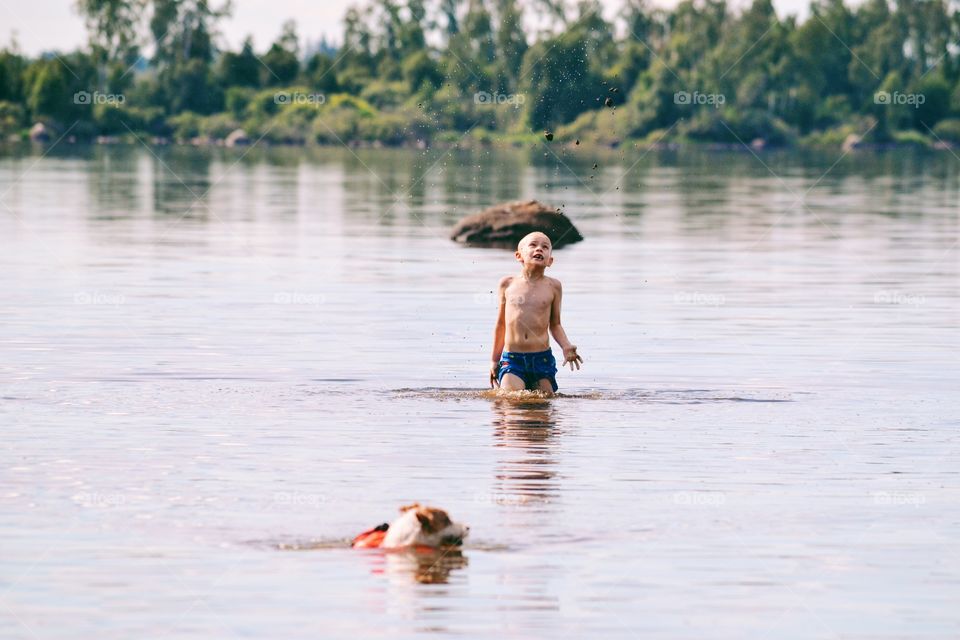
(417, 526)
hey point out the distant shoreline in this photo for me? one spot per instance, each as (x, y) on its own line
(467, 142)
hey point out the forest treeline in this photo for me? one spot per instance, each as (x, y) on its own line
(412, 71)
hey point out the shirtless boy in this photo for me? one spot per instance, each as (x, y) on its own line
(529, 309)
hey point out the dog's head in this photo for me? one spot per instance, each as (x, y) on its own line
(427, 526)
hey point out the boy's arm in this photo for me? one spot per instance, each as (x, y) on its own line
(498, 331)
(569, 350)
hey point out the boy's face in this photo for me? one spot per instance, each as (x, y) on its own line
(535, 250)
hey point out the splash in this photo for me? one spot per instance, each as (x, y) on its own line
(648, 396)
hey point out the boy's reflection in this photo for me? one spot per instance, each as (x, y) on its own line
(527, 428)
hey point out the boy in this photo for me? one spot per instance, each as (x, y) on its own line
(529, 308)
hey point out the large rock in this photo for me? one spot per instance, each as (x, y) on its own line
(40, 132)
(851, 142)
(237, 138)
(504, 225)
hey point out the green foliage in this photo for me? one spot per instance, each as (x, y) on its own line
(280, 67)
(732, 125)
(240, 69)
(218, 126)
(12, 118)
(184, 125)
(385, 94)
(238, 99)
(120, 119)
(192, 88)
(936, 102)
(411, 69)
(911, 138)
(53, 88)
(292, 124)
(948, 130)
(320, 73)
(420, 69)
(12, 66)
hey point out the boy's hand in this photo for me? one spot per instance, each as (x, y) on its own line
(570, 357)
(494, 370)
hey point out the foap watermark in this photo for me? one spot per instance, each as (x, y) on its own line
(503, 500)
(897, 98)
(700, 299)
(715, 100)
(898, 298)
(492, 299)
(296, 499)
(899, 498)
(297, 297)
(297, 97)
(511, 99)
(94, 499)
(699, 498)
(99, 298)
(86, 97)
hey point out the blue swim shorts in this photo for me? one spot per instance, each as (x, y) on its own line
(529, 367)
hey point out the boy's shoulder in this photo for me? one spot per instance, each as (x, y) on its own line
(505, 281)
(553, 282)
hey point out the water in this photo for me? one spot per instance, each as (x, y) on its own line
(218, 366)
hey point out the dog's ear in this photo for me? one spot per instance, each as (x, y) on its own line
(405, 508)
(432, 519)
(426, 521)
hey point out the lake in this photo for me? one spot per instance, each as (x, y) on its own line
(219, 365)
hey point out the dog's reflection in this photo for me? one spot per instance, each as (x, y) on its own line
(530, 427)
(424, 566)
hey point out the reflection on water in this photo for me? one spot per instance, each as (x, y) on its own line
(423, 567)
(526, 432)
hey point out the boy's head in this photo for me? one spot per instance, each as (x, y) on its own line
(535, 249)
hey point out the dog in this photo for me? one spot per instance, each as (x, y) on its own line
(417, 527)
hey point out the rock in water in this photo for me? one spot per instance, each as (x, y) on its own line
(504, 225)
(852, 141)
(40, 132)
(237, 138)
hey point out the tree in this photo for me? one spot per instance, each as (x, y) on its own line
(321, 74)
(240, 69)
(113, 32)
(510, 44)
(12, 66)
(280, 63)
(183, 31)
(562, 76)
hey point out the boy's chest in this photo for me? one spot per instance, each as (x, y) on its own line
(529, 298)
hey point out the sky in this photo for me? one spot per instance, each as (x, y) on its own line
(42, 25)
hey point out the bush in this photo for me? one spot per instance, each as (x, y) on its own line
(451, 109)
(120, 119)
(595, 127)
(238, 99)
(293, 125)
(734, 126)
(184, 125)
(394, 128)
(12, 118)
(217, 126)
(936, 102)
(385, 94)
(419, 69)
(948, 130)
(911, 138)
(337, 127)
